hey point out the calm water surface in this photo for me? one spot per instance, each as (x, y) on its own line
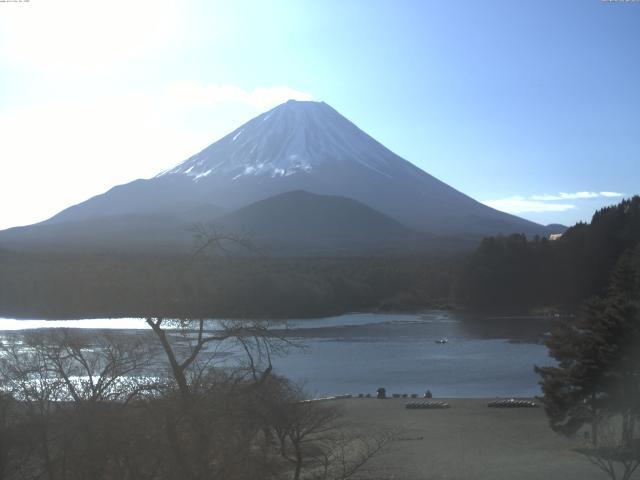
(356, 353)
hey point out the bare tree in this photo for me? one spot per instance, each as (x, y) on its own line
(15, 441)
(204, 444)
(613, 455)
(314, 440)
(72, 390)
(25, 373)
(247, 334)
(208, 238)
(307, 435)
(94, 367)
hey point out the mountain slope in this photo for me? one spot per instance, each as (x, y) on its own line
(137, 232)
(304, 146)
(296, 146)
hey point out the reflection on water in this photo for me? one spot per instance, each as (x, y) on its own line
(357, 353)
(11, 324)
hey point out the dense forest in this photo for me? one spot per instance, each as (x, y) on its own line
(65, 285)
(516, 273)
(504, 273)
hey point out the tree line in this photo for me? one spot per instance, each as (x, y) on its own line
(83, 284)
(513, 272)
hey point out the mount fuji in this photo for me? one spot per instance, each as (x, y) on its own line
(295, 147)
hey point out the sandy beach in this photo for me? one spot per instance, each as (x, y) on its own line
(467, 441)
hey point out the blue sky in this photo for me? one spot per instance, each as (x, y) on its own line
(530, 106)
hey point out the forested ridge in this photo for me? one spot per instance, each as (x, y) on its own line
(65, 285)
(513, 272)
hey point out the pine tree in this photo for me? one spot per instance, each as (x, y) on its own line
(598, 355)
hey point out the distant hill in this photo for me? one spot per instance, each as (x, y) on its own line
(556, 228)
(303, 222)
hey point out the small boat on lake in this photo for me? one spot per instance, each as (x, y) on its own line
(442, 340)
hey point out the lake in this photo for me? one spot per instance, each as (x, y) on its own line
(484, 356)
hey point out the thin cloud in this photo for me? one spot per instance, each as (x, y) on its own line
(566, 196)
(545, 203)
(518, 204)
(198, 94)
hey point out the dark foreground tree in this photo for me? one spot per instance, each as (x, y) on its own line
(597, 379)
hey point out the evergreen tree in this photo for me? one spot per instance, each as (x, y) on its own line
(515, 273)
(598, 371)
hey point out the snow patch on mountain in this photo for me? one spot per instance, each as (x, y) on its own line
(294, 138)
(203, 174)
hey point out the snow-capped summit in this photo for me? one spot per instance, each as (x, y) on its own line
(293, 138)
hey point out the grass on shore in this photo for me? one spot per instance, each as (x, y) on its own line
(467, 441)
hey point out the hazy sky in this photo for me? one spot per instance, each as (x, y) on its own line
(530, 106)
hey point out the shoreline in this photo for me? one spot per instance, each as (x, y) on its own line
(488, 314)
